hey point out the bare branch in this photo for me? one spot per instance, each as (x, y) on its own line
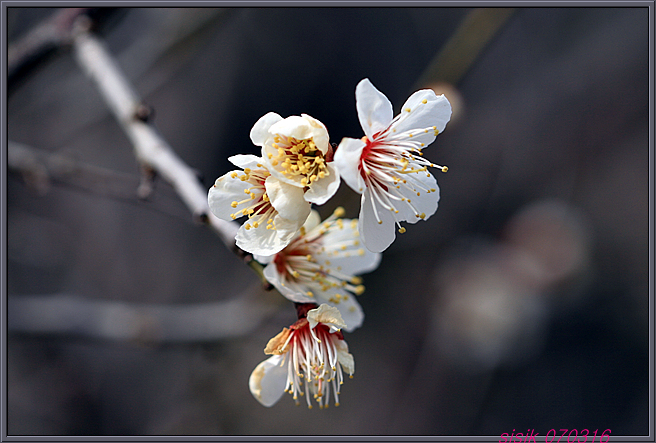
(150, 147)
(71, 315)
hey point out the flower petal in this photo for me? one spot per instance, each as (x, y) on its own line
(320, 133)
(353, 258)
(425, 203)
(327, 315)
(261, 241)
(348, 307)
(312, 221)
(418, 115)
(246, 161)
(267, 382)
(287, 229)
(302, 128)
(288, 200)
(376, 236)
(226, 190)
(344, 358)
(347, 160)
(374, 109)
(260, 131)
(321, 190)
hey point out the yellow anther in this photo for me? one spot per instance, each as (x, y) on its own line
(408, 109)
(234, 204)
(402, 230)
(359, 289)
(233, 175)
(424, 101)
(422, 216)
(247, 226)
(360, 251)
(309, 294)
(444, 169)
(256, 224)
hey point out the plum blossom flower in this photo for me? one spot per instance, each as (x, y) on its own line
(321, 265)
(386, 166)
(275, 210)
(307, 359)
(297, 152)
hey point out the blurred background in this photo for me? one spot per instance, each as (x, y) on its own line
(521, 304)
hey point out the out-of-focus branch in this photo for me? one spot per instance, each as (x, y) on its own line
(465, 45)
(151, 150)
(71, 315)
(45, 39)
(40, 168)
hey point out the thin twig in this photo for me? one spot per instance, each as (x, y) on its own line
(150, 147)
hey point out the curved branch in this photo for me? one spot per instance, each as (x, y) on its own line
(151, 149)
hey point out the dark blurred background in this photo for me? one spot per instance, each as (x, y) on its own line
(521, 304)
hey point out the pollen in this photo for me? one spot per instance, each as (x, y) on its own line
(402, 230)
(424, 101)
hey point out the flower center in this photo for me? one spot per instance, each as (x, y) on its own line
(389, 165)
(313, 365)
(299, 159)
(257, 206)
(302, 263)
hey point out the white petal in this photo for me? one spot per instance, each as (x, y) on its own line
(320, 133)
(345, 359)
(261, 241)
(350, 309)
(264, 259)
(355, 259)
(301, 129)
(225, 191)
(312, 221)
(327, 315)
(322, 189)
(290, 290)
(347, 160)
(287, 229)
(288, 200)
(435, 112)
(260, 131)
(267, 382)
(425, 202)
(376, 237)
(374, 109)
(245, 161)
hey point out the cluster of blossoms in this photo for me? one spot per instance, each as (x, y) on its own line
(316, 264)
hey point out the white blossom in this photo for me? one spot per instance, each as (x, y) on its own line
(275, 209)
(386, 166)
(322, 264)
(307, 360)
(296, 150)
